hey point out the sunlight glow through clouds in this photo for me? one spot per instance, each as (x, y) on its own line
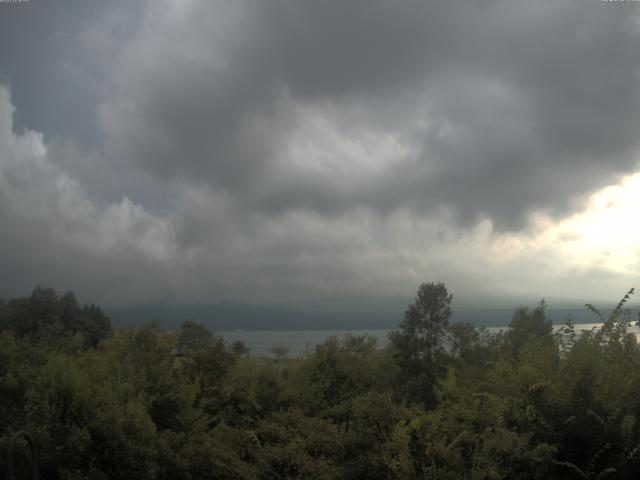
(605, 235)
(608, 231)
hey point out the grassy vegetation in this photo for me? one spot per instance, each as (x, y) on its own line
(151, 404)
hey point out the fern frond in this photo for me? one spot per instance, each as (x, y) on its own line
(594, 459)
(605, 472)
(571, 466)
(633, 453)
(625, 299)
(594, 310)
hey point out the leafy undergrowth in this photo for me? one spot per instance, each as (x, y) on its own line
(441, 401)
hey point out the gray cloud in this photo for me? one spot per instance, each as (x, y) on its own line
(56, 56)
(503, 108)
(293, 152)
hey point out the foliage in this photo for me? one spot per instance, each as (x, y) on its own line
(417, 344)
(46, 316)
(439, 402)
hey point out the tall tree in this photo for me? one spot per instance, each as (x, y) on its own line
(418, 344)
(530, 325)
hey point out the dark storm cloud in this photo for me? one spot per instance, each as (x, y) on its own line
(289, 151)
(53, 54)
(510, 106)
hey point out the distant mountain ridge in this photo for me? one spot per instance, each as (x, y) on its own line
(232, 316)
(229, 315)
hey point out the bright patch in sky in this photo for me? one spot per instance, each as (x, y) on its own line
(596, 250)
(607, 232)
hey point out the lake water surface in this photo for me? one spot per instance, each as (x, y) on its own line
(260, 342)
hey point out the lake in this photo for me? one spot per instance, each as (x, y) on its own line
(260, 342)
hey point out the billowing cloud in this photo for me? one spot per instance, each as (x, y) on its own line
(491, 109)
(308, 152)
(52, 231)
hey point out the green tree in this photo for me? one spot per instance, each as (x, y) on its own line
(417, 344)
(193, 337)
(465, 342)
(280, 352)
(59, 320)
(530, 325)
(240, 348)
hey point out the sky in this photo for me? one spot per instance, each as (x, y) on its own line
(320, 154)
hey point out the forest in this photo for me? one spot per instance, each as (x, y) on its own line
(442, 401)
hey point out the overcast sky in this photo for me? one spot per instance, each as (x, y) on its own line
(319, 153)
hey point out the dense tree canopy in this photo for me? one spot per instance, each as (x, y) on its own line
(45, 315)
(153, 404)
